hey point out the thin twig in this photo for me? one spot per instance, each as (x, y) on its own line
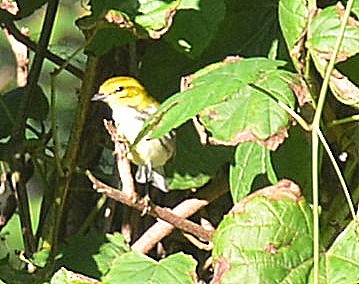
(315, 138)
(92, 215)
(352, 118)
(54, 126)
(338, 172)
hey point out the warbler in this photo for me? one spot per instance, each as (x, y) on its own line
(131, 105)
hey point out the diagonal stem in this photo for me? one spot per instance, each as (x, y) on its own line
(18, 134)
(315, 140)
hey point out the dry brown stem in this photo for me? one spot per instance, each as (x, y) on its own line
(169, 218)
(185, 209)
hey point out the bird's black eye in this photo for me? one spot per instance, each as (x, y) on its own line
(120, 89)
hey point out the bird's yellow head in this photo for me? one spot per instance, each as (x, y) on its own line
(124, 91)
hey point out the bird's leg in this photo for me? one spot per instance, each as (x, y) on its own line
(146, 198)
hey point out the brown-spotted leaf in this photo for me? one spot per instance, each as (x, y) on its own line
(293, 18)
(266, 238)
(322, 37)
(156, 17)
(112, 25)
(252, 113)
(234, 82)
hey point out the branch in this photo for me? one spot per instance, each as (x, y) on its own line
(155, 211)
(162, 228)
(170, 219)
(14, 31)
(159, 230)
(73, 149)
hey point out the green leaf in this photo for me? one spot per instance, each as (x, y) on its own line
(250, 160)
(78, 253)
(10, 104)
(251, 109)
(41, 257)
(324, 30)
(155, 15)
(110, 251)
(113, 24)
(340, 264)
(293, 17)
(134, 267)
(273, 51)
(14, 276)
(223, 82)
(355, 8)
(248, 29)
(322, 36)
(134, 9)
(188, 168)
(64, 276)
(266, 238)
(195, 25)
(108, 38)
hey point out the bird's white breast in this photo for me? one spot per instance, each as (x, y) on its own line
(129, 121)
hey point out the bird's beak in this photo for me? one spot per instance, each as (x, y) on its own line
(98, 97)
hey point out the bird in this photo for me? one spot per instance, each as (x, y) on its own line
(131, 105)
